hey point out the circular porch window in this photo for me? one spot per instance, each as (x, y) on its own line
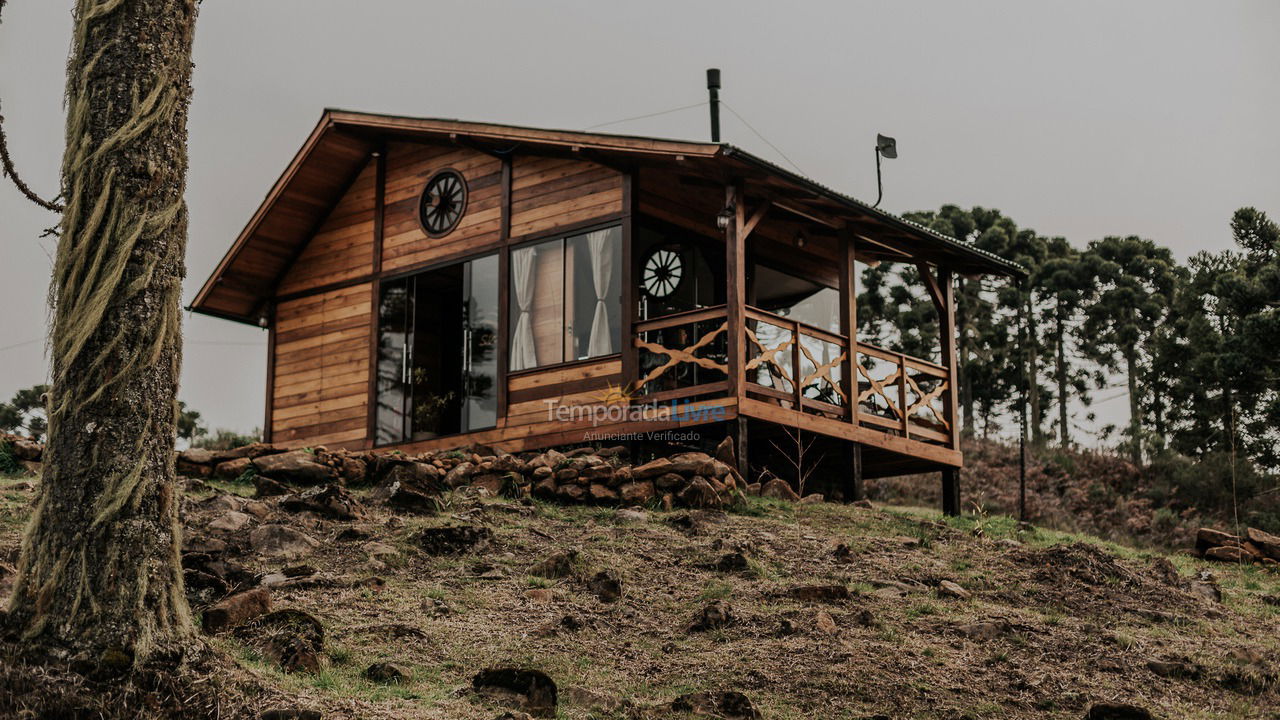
(444, 199)
(663, 270)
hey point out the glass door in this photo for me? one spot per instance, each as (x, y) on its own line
(437, 357)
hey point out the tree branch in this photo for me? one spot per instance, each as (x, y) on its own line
(7, 162)
(12, 173)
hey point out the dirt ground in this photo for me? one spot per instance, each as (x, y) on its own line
(1041, 625)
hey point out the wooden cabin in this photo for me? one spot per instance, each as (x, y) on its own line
(433, 283)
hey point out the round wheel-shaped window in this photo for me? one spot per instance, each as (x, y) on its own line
(443, 202)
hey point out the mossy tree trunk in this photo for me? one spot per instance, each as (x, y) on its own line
(100, 570)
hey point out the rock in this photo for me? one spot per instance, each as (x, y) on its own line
(729, 705)
(863, 503)
(753, 489)
(385, 673)
(531, 691)
(202, 588)
(652, 469)
(567, 475)
(1266, 542)
(231, 522)
(601, 494)
(842, 554)
(232, 469)
(630, 515)
(1208, 591)
(453, 539)
(700, 494)
(380, 551)
(1173, 668)
(541, 595)
(332, 501)
(984, 630)
(669, 481)
(1209, 538)
(280, 541)
(812, 499)
(355, 533)
(599, 473)
(296, 466)
(712, 617)
(946, 588)
(821, 593)
(693, 463)
(605, 586)
(1229, 553)
(236, 610)
(489, 482)
(557, 565)
(725, 454)
(458, 475)
(223, 502)
(731, 562)
(571, 493)
(413, 498)
(545, 489)
(824, 623)
(266, 487)
(779, 489)
(1116, 711)
(252, 450)
(290, 638)
(597, 702)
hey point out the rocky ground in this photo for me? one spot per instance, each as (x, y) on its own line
(465, 603)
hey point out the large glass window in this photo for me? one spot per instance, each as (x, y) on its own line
(566, 299)
(437, 352)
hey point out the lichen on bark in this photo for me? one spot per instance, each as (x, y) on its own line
(100, 569)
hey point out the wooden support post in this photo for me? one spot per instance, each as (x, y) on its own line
(504, 289)
(849, 322)
(735, 275)
(857, 489)
(951, 491)
(739, 430)
(375, 290)
(630, 281)
(947, 338)
(271, 372)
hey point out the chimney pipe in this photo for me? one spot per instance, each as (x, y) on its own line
(713, 88)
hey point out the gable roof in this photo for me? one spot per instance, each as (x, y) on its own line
(341, 143)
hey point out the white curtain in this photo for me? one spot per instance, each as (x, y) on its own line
(600, 245)
(523, 355)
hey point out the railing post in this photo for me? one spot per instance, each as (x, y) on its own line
(796, 375)
(902, 394)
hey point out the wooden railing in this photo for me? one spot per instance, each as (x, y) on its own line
(682, 355)
(797, 366)
(802, 367)
(903, 393)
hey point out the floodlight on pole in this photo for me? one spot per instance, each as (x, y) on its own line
(886, 147)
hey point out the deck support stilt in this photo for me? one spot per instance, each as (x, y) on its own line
(738, 427)
(856, 490)
(951, 491)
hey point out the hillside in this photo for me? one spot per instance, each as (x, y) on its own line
(788, 610)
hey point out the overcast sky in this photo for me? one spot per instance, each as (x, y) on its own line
(1080, 119)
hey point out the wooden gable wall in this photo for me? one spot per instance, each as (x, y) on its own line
(325, 311)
